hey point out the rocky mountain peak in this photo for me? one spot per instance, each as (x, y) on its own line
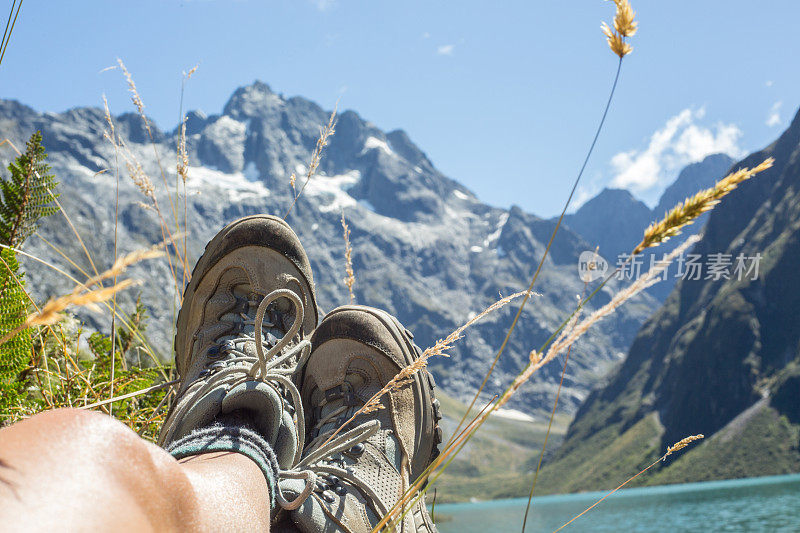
(254, 100)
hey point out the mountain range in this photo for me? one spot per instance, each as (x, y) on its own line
(424, 247)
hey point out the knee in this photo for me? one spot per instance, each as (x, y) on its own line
(146, 473)
(90, 431)
(96, 439)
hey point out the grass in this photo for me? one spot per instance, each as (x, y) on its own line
(499, 461)
(764, 444)
(610, 460)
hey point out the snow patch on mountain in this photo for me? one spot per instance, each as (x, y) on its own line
(332, 190)
(373, 143)
(236, 185)
(492, 237)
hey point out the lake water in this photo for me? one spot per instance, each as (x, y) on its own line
(755, 504)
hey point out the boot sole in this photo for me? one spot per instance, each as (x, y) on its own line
(427, 408)
(256, 230)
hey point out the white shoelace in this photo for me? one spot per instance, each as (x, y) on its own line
(320, 461)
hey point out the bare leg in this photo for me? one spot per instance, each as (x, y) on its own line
(78, 470)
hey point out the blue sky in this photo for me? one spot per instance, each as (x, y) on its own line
(503, 96)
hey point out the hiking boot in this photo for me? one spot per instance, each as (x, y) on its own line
(242, 330)
(356, 477)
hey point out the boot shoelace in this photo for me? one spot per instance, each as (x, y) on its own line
(235, 366)
(323, 468)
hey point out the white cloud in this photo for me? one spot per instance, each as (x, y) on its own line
(774, 117)
(768, 83)
(681, 141)
(426, 35)
(446, 49)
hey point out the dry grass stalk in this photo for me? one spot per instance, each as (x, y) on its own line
(182, 169)
(440, 348)
(145, 185)
(624, 26)
(137, 170)
(135, 97)
(570, 334)
(413, 494)
(51, 311)
(692, 207)
(122, 263)
(350, 280)
(675, 447)
(131, 394)
(182, 156)
(324, 136)
(681, 444)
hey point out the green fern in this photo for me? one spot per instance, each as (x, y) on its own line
(27, 195)
(15, 354)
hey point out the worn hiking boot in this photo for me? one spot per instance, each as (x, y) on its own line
(242, 330)
(356, 477)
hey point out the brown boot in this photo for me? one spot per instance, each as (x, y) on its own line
(242, 329)
(362, 472)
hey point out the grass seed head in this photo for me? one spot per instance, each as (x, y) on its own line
(623, 20)
(350, 280)
(692, 207)
(624, 26)
(683, 443)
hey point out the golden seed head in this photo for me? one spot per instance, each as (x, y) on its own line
(350, 280)
(623, 20)
(624, 26)
(51, 311)
(687, 211)
(616, 41)
(683, 443)
(182, 155)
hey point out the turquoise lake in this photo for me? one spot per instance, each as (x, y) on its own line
(755, 504)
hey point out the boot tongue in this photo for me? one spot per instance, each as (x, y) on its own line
(362, 386)
(271, 332)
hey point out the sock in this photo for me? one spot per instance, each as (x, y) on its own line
(230, 435)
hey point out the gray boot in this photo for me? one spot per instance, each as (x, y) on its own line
(353, 480)
(242, 330)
